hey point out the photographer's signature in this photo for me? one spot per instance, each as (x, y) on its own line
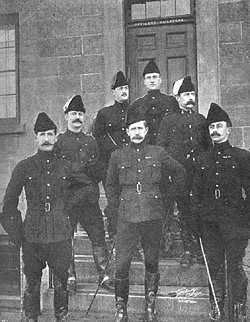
(188, 295)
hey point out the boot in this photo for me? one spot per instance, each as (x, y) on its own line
(32, 300)
(61, 298)
(240, 314)
(151, 288)
(215, 315)
(219, 289)
(100, 255)
(121, 296)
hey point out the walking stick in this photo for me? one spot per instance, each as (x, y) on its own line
(100, 281)
(21, 283)
(230, 305)
(209, 278)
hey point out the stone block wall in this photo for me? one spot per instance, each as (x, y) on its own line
(234, 66)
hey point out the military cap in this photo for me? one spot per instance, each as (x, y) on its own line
(151, 67)
(44, 123)
(183, 85)
(134, 115)
(217, 114)
(118, 80)
(75, 103)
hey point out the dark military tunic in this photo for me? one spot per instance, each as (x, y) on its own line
(132, 187)
(133, 181)
(220, 206)
(222, 174)
(84, 196)
(154, 106)
(45, 179)
(183, 135)
(110, 129)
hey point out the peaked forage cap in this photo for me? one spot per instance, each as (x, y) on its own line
(75, 103)
(44, 123)
(217, 114)
(118, 80)
(151, 67)
(183, 85)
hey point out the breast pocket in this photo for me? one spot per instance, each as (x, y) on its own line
(153, 170)
(125, 174)
(32, 186)
(62, 185)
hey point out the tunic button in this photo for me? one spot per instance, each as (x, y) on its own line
(190, 126)
(47, 160)
(77, 139)
(154, 120)
(217, 173)
(48, 172)
(153, 98)
(47, 197)
(137, 149)
(219, 152)
(153, 108)
(217, 162)
(139, 159)
(123, 118)
(81, 161)
(123, 128)
(48, 184)
(123, 140)
(81, 150)
(191, 138)
(139, 170)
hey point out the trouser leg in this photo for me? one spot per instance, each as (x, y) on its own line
(121, 297)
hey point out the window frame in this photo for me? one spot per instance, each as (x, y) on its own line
(157, 20)
(12, 19)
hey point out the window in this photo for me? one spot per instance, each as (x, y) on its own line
(155, 9)
(9, 82)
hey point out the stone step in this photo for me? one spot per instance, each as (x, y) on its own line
(170, 271)
(171, 301)
(78, 316)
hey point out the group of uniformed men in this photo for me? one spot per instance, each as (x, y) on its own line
(147, 155)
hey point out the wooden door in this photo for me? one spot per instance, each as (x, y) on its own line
(172, 46)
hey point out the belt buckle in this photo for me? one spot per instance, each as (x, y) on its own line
(47, 207)
(138, 188)
(217, 193)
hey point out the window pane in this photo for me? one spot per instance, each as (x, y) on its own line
(7, 38)
(182, 7)
(138, 11)
(168, 8)
(153, 9)
(7, 59)
(7, 83)
(7, 106)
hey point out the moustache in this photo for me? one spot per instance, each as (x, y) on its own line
(215, 134)
(77, 121)
(124, 94)
(190, 102)
(46, 143)
(137, 137)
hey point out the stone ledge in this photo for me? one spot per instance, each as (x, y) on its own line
(12, 128)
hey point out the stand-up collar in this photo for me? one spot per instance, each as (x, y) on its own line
(222, 146)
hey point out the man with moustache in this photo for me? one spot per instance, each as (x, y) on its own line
(184, 136)
(220, 209)
(132, 188)
(45, 234)
(155, 104)
(110, 133)
(83, 203)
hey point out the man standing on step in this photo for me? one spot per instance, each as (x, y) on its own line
(45, 233)
(132, 188)
(220, 208)
(154, 105)
(184, 136)
(83, 206)
(110, 133)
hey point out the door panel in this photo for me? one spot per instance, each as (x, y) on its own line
(171, 46)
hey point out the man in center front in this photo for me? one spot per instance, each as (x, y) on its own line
(133, 189)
